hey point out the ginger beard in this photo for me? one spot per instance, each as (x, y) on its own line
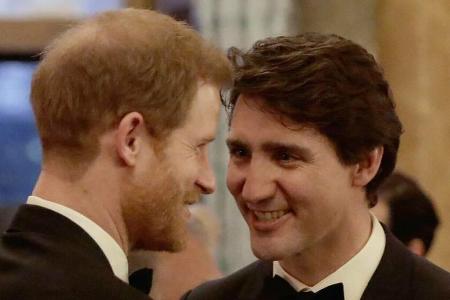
(154, 211)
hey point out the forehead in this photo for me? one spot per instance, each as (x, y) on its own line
(204, 111)
(206, 102)
(251, 119)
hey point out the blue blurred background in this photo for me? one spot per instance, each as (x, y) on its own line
(20, 153)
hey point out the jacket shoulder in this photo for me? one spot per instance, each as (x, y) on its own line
(404, 275)
(431, 282)
(233, 286)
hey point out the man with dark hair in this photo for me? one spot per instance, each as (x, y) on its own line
(313, 133)
(408, 212)
(126, 104)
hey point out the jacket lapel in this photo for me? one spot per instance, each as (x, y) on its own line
(257, 285)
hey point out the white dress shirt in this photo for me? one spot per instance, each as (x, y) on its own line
(354, 274)
(113, 252)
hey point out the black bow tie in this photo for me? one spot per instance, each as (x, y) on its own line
(142, 280)
(287, 292)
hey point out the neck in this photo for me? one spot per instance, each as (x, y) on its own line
(93, 196)
(313, 265)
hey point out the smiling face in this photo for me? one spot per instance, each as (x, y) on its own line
(156, 206)
(292, 190)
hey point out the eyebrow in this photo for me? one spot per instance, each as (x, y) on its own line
(305, 153)
(275, 146)
(235, 143)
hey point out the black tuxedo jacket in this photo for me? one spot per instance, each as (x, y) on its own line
(44, 255)
(6, 215)
(400, 275)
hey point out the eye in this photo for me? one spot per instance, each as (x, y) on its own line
(238, 152)
(283, 156)
(201, 148)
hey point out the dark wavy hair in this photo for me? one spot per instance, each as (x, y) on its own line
(328, 83)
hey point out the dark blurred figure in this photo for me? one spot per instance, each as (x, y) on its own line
(409, 212)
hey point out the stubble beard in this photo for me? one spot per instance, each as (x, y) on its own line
(153, 212)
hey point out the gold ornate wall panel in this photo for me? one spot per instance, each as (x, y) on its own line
(414, 49)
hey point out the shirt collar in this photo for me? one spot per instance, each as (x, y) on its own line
(354, 274)
(113, 252)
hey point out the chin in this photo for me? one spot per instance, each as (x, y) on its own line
(174, 243)
(274, 248)
(266, 251)
(169, 235)
(267, 255)
(176, 246)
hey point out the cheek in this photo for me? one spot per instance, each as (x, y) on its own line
(295, 185)
(304, 194)
(183, 171)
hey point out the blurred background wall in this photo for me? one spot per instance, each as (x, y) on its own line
(410, 38)
(414, 48)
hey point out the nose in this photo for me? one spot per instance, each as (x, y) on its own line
(258, 183)
(206, 180)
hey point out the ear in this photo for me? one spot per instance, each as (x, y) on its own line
(129, 137)
(366, 169)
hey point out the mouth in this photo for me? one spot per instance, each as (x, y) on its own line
(186, 211)
(268, 216)
(267, 221)
(191, 198)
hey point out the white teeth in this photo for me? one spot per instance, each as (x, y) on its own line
(269, 215)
